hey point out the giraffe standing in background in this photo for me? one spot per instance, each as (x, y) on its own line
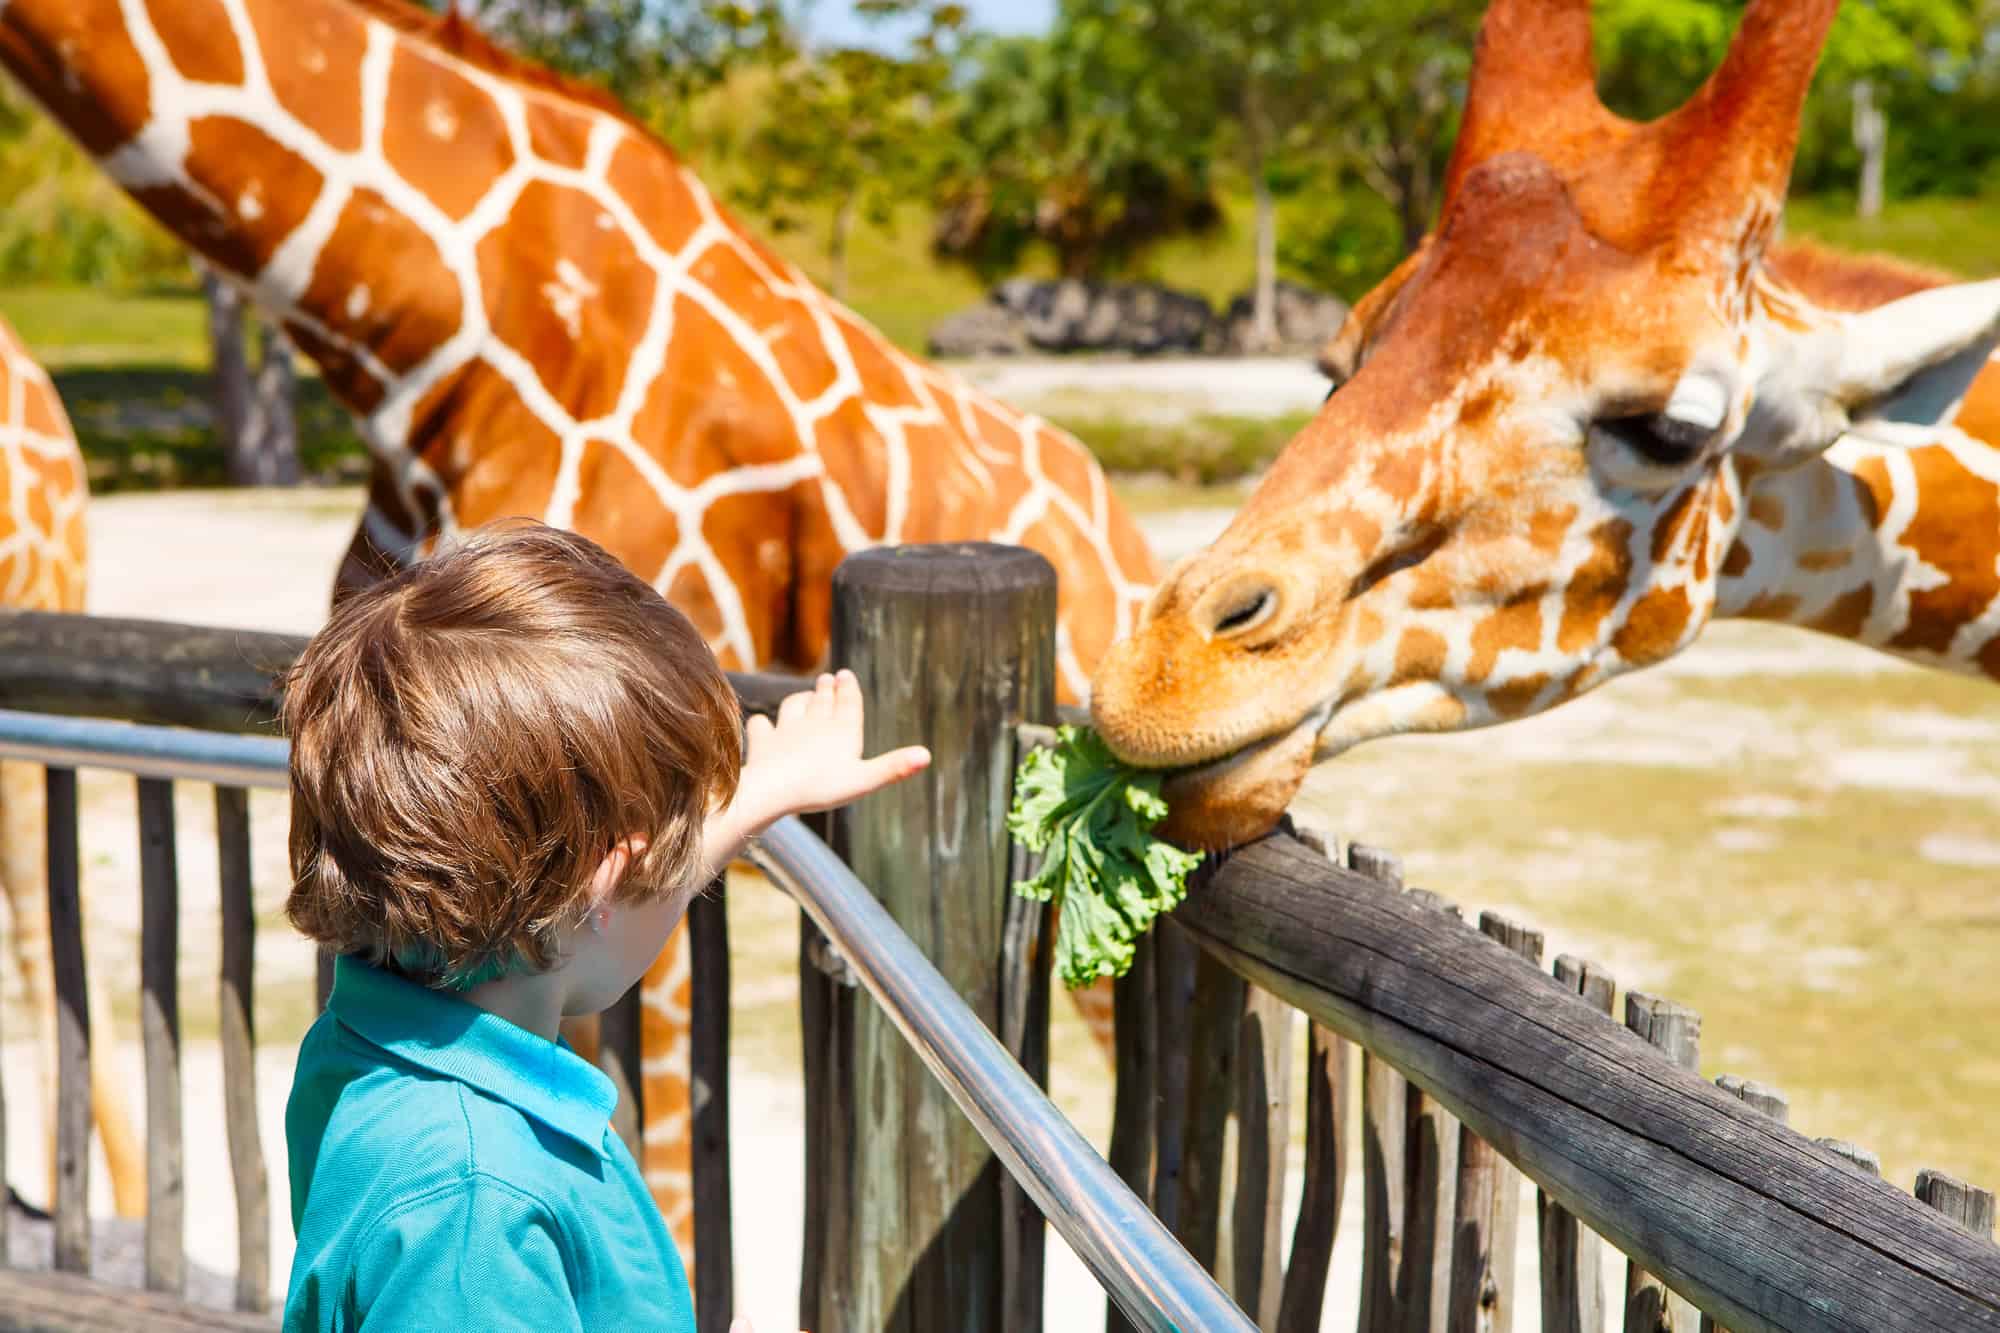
(1594, 410)
(534, 308)
(42, 562)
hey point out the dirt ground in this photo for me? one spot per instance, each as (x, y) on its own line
(1791, 835)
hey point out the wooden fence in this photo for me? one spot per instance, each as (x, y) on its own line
(1475, 1063)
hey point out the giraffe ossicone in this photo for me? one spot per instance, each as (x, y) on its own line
(1595, 409)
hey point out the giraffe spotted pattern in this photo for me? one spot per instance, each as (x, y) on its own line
(535, 309)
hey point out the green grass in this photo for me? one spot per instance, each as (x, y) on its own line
(1962, 235)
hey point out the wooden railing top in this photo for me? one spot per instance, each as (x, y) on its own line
(1760, 1226)
(184, 675)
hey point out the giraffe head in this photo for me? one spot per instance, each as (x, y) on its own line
(1545, 420)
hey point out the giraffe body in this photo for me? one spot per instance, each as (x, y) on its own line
(1593, 410)
(534, 308)
(43, 550)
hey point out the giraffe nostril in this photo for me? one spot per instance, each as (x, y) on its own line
(1247, 611)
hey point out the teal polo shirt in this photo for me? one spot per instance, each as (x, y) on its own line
(452, 1171)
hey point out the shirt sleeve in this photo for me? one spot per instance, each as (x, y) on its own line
(476, 1254)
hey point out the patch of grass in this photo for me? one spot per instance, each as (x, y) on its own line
(1203, 451)
(148, 427)
(71, 326)
(1962, 235)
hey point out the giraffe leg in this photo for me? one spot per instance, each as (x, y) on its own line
(25, 869)
(666, 1000)
(1093, 1005)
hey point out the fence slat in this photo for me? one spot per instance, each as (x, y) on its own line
(1572, 1255)
(72, 1183)
(1136, 1036)
(1759, 1097)
(1676, 1030)
(239, 1051)
(1487, 1212)
(1432, 1144)
(1325, 1181)
(1024, 1030)
(1967, 1205)
(159, 982)
(1263, 1140)
(1213, 1041)
(1174, 991)
(1384, 1157)
(708, 1063)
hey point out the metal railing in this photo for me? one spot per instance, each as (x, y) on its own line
(1132, 1255)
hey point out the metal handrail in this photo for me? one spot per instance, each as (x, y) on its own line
(1134, 1257)
(150, 752)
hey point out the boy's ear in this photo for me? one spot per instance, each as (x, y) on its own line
(617, 863)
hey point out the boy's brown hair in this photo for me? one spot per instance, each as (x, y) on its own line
(471, 737)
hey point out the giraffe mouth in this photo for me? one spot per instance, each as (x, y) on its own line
(1241, 795)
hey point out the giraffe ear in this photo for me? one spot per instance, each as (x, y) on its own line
(1911, 362)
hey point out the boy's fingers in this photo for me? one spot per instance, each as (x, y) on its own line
(823, 695)
(794, 706)
(896, 765)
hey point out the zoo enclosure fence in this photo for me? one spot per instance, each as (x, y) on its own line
(1475, 1063)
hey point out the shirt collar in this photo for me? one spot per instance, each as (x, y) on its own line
(458, 1040)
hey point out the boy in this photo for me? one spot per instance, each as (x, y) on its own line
(512, 765)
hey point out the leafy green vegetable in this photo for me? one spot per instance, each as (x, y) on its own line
(1089, 814)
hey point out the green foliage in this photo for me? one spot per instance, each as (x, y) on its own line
(1076, 142)
(850, 129)
(1205, 450)
(63, 220)
(1088, 814)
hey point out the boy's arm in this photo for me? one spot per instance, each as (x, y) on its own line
(475, 1255)
(809, 759)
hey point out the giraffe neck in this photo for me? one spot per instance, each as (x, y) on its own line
(1894, 547)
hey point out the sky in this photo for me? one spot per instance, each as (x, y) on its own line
(835, 22)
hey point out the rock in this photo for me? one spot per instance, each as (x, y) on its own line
(1071, 316)
(1307, 320)
(117, 1253)
(984, 330)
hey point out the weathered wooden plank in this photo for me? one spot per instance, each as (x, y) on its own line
(1263, 1138)
(160, 1014)
(1650, 1307)
(962, 639)
(1384, 1151)
(1487, 1214)
(708, 1063)
(239, 1051)
(1572, 1255)
(1174, 993)
(1136, 1033)
(66, 1303)
(1214, 1036)
(1759, 1097)
(183, 675)
(72, 1175)
(1026, 942)
(1967, 1205)
(1325, 1177)
(1703, 1191)
(1328, 1078)
(1860, 1159)
(1432, 1143)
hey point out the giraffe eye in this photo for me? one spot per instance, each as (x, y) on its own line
(1656, 437)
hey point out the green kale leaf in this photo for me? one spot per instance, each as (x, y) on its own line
(1090, 815)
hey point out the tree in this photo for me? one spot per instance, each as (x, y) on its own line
(1075, 141)
(254, 409)
(1257, 70)
(852, 129)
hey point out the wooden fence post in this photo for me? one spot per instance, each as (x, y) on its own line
(1676, 1030)
(1572, 1255)
(1772, 1103)
(955, 647)
(1384, 1155)
(1432, 1144)
(1487, 1211)
(1326, 1110)
(1967, 1205)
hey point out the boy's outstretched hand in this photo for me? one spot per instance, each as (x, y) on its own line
(809, 759)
